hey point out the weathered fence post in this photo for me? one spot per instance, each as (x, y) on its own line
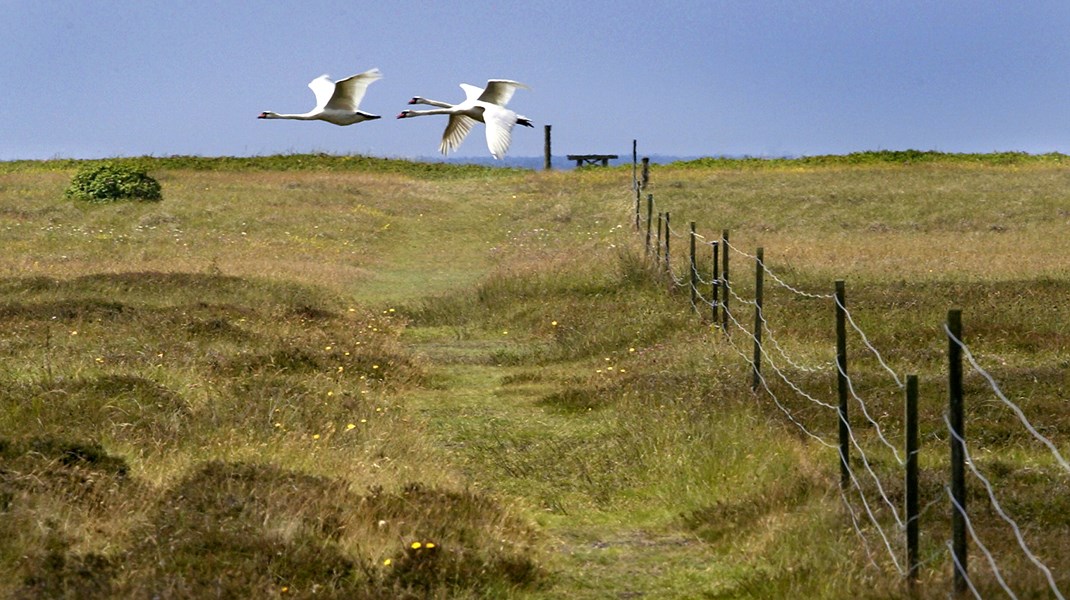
(724, 281)
(638, 195)
(668, 232)
(958, 448)
(657, 253)
(635, 160)
(694, 272)
(912, 478)
(547, 157)
(646, 172)
(841, 382)
(715, 285)
(759, 277)
(649, 220)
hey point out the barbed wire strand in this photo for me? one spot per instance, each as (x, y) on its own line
(1003, 514)
(962, 569)
(778, 279)
(870, 346)
(984, 549)
(850, 472)
(1014, 407)
(850, 430)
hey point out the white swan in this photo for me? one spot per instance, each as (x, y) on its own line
(486, 105)
(336, 102)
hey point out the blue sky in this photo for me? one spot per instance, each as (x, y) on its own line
(104, 78)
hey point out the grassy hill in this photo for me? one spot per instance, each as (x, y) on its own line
(323, 376)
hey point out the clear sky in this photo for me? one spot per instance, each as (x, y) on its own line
(100, 78)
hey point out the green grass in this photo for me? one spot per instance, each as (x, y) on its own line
(278, 379)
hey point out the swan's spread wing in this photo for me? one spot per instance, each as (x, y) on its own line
(322, 87)
(500, 122)
(456, 131)
(471, 92)
(349, 92)
(500, 91)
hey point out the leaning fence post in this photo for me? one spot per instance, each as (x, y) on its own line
(912, 478)
(724, 281)
(715, 285)
(649, 220)
(841, 382)
(694, 272)
(958, 448)
(759, 276)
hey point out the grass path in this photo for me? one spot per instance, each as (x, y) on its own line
(499, 435)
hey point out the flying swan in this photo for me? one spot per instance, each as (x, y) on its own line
(336, 102)
(486, 105)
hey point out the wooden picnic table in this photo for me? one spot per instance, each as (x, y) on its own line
(591, 159)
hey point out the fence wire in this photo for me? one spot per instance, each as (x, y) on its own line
(866, 517)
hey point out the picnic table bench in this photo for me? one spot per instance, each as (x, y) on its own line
(591, 159)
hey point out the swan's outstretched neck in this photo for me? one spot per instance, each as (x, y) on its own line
(419, 113)
(274, 115)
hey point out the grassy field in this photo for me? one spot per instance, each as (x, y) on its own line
(316, 376)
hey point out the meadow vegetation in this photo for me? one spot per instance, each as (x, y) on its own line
(339, 376)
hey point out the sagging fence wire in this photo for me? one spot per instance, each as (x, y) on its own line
(987, 484)
(873, 519)
(866, 518)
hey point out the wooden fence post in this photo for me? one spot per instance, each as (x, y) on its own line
(958, 449)
(694, 272)
(635, 160)
(646, 172)
(759, 277)
(668, 233)
(912, 478)
(724, 281)
(547, 157)
(841, 383)
(657, 252)
(649, 220)
(638, 199)
(715, 285)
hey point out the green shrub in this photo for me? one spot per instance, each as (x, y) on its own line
(112, 182)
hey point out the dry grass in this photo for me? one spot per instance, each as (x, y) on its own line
(179, 379)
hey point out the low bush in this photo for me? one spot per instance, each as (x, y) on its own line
(113, 182)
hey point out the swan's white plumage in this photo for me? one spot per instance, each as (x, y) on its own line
(337, 102)
(500, 91)
(486, 105)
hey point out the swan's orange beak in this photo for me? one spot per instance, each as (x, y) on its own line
(262, 115)
(402, 114)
